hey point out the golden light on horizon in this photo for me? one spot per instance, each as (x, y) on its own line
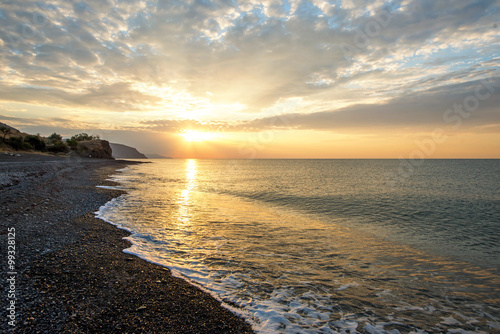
(195, 135)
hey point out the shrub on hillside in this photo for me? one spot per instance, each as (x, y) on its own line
(15, 142)
(72, 143)
(58, 147)
(36, 142)
(27, 146)
(18, 143)
(83, 136)
(4, 131)
(55, 138)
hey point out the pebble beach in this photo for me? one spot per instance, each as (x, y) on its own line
(68, 272)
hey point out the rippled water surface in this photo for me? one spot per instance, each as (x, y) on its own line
(325, 246)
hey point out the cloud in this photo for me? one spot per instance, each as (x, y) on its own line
(48, 125)
(113, 97)
(175, 126)
(473, 104)
(249, 55)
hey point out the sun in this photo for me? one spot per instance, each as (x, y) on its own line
(195, 135)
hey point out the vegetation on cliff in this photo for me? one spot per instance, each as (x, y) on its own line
(81, 144)
(96, 148)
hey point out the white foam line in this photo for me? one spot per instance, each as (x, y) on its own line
(176, 273)
(100, 214)
(110, 187)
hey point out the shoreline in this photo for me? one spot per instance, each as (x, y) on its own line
(71, 271)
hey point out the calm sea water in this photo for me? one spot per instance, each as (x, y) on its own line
(325, 246)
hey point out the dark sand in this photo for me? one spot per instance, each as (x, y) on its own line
(72, 275)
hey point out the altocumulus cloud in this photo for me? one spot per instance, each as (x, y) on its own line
(143, 56)
(472, 105)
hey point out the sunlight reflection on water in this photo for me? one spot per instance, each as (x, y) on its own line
(288, 270)
(184, 198)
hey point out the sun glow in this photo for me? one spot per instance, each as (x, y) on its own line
(195, 135)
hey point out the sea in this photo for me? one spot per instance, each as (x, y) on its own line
(325, 246)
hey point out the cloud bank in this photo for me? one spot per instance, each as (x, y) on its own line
(247, 65)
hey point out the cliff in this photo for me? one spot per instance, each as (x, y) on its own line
(121, 151)
(96, 148)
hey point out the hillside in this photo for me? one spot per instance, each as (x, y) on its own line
(13, 130)
(81, 145)
(121, 151)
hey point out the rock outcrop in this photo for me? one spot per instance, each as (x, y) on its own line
(98, 148)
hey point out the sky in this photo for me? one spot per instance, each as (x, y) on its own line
(408, 79)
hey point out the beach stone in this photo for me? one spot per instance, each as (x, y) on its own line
(67, 259)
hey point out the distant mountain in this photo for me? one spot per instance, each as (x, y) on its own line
(121, 151)
(156, 156)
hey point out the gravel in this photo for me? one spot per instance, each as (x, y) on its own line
(72, 275)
